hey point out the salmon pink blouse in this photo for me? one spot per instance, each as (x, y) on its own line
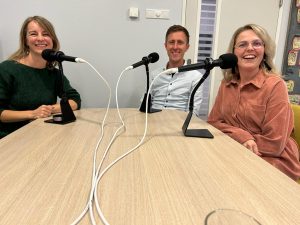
(259, 110)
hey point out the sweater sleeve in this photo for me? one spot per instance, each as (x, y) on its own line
(71, 92)
(5, 89)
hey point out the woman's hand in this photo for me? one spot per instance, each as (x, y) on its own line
(251, 145)
(42, 111)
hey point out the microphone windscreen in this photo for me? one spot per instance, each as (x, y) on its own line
(153, 57)
(49, 55)
(229, 60)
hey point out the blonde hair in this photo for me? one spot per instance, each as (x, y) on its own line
(23, 47)
(267, 63)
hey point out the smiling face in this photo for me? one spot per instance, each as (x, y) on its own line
(176, 45)
(37, 38)
(249, 49)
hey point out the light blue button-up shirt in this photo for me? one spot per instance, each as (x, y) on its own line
(174, 91)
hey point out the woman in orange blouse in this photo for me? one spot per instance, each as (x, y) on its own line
(252, 104)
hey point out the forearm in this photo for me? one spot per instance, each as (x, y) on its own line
(9, 116)
(238, 134)
(43, 111)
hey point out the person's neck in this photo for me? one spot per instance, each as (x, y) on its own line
(247, 75)
(35, 61)
(175, 64)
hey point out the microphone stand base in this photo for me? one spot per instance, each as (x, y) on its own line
(150, 109)
(66, 116)
(201, 133)
(58, 119)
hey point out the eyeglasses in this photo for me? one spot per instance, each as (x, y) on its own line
(256, 44)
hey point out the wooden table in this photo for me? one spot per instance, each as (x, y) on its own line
(46, 169)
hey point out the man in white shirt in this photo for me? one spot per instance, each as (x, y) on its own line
(173, 90)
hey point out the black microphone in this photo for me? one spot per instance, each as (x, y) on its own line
(225, 61)
(151, 58)
(51, 55)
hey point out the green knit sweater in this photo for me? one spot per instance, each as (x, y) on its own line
(26, 88)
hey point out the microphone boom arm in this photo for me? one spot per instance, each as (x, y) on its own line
(205, 75)
(67, 114)
(144, 102)
(203, 133)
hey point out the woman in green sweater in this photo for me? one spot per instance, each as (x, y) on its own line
(29, 85)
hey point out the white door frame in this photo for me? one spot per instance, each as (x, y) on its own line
(191, 21)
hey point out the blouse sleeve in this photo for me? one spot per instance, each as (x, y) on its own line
(216, 118)
(277, 124)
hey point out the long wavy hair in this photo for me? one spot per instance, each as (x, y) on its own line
(23, 50)
(266, 64)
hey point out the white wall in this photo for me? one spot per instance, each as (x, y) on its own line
(101, 32)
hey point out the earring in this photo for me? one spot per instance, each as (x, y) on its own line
(26, 50)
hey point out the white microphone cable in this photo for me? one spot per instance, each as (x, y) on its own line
(76, 221)
(98, 208)
(106, 151)
(105, 154)
(89, 206)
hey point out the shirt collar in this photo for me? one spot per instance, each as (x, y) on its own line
(185, 63)
(257, 81)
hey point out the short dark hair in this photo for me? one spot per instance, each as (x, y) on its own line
(178, 28)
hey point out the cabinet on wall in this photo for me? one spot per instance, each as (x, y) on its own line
(291, 63)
